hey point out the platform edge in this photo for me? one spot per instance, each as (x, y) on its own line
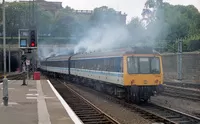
(70, 112)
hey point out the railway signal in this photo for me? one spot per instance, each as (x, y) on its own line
(33, 39)
(27, 38)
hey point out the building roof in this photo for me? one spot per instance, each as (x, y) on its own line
(47, 5)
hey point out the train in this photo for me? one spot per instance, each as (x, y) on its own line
(134, 74)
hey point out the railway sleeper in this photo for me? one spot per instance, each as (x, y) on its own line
(183, 121)
(101, 122)
(82, 106)
(173, 117)
(85, 109)
(90, 117)
(81, 113)
(95, 119)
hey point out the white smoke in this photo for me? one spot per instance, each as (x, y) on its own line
(45, 51)
(105, 37)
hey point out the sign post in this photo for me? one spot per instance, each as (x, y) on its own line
(179, 62)
(5, 91)
(27, 64)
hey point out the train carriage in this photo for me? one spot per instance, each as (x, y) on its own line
(134, 74)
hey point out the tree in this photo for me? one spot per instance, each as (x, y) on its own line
(66, 24)
(44, 21)
(136, 30)
(16, 17)
(104, 15)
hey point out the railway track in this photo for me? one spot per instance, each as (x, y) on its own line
(158, 114)
(184, 84)
(153, 112)
(88, 113)
(171, 115)
(184, 93)
(85, 110)
(178, 95)
(19, 76)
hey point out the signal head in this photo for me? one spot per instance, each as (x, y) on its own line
(33, 37)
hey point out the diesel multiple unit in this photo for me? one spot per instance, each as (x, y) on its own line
(134, 74)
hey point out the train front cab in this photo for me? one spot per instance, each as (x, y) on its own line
(143, 76)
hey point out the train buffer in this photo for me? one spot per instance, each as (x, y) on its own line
(37, 103)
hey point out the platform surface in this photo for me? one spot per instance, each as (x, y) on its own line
(35, 103)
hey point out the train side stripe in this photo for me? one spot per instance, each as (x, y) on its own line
(117, 74)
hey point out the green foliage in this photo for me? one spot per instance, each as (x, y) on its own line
(104, 15)
(135, 28)
(172, 23)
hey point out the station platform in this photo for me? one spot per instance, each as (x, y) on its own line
(36, 103)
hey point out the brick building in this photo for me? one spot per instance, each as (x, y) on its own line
(47, 5)
(55, 6)
(90, 12)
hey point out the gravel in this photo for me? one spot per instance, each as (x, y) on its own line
(186, 106)
(120, 113)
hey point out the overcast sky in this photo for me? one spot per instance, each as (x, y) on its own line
(131, 7)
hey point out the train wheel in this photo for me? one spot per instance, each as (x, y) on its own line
(128, 95)
(145, 101)
(136, 98)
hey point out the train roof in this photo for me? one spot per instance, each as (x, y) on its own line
(60, 57)
(106, 53)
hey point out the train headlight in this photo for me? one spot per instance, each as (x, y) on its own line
(156, 81)
(132, 82)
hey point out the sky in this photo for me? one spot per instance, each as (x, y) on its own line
(132, 8)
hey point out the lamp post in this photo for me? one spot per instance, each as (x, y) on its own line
(5, 80)
(4, 38)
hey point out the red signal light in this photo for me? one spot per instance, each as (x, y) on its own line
(32, 44)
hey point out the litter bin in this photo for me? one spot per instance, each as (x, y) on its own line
(36, 76)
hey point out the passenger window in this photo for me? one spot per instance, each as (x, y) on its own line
(144, 65)
(132, 65)
(155, 65)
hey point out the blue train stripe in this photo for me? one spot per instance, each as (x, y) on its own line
(116, 74)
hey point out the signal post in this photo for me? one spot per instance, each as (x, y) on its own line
(28, 44)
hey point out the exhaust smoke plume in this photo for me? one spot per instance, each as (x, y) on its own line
(106, 37)
(46, 51)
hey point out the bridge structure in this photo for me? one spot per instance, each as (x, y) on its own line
(16, 52)
(40, 38)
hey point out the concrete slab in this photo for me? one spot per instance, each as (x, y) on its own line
(24, 111)
(36, 103)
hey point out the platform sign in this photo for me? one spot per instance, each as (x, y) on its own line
(23, 43)
(23, 35)
(27, 62)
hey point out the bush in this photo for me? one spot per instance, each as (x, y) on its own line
(194, 45)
